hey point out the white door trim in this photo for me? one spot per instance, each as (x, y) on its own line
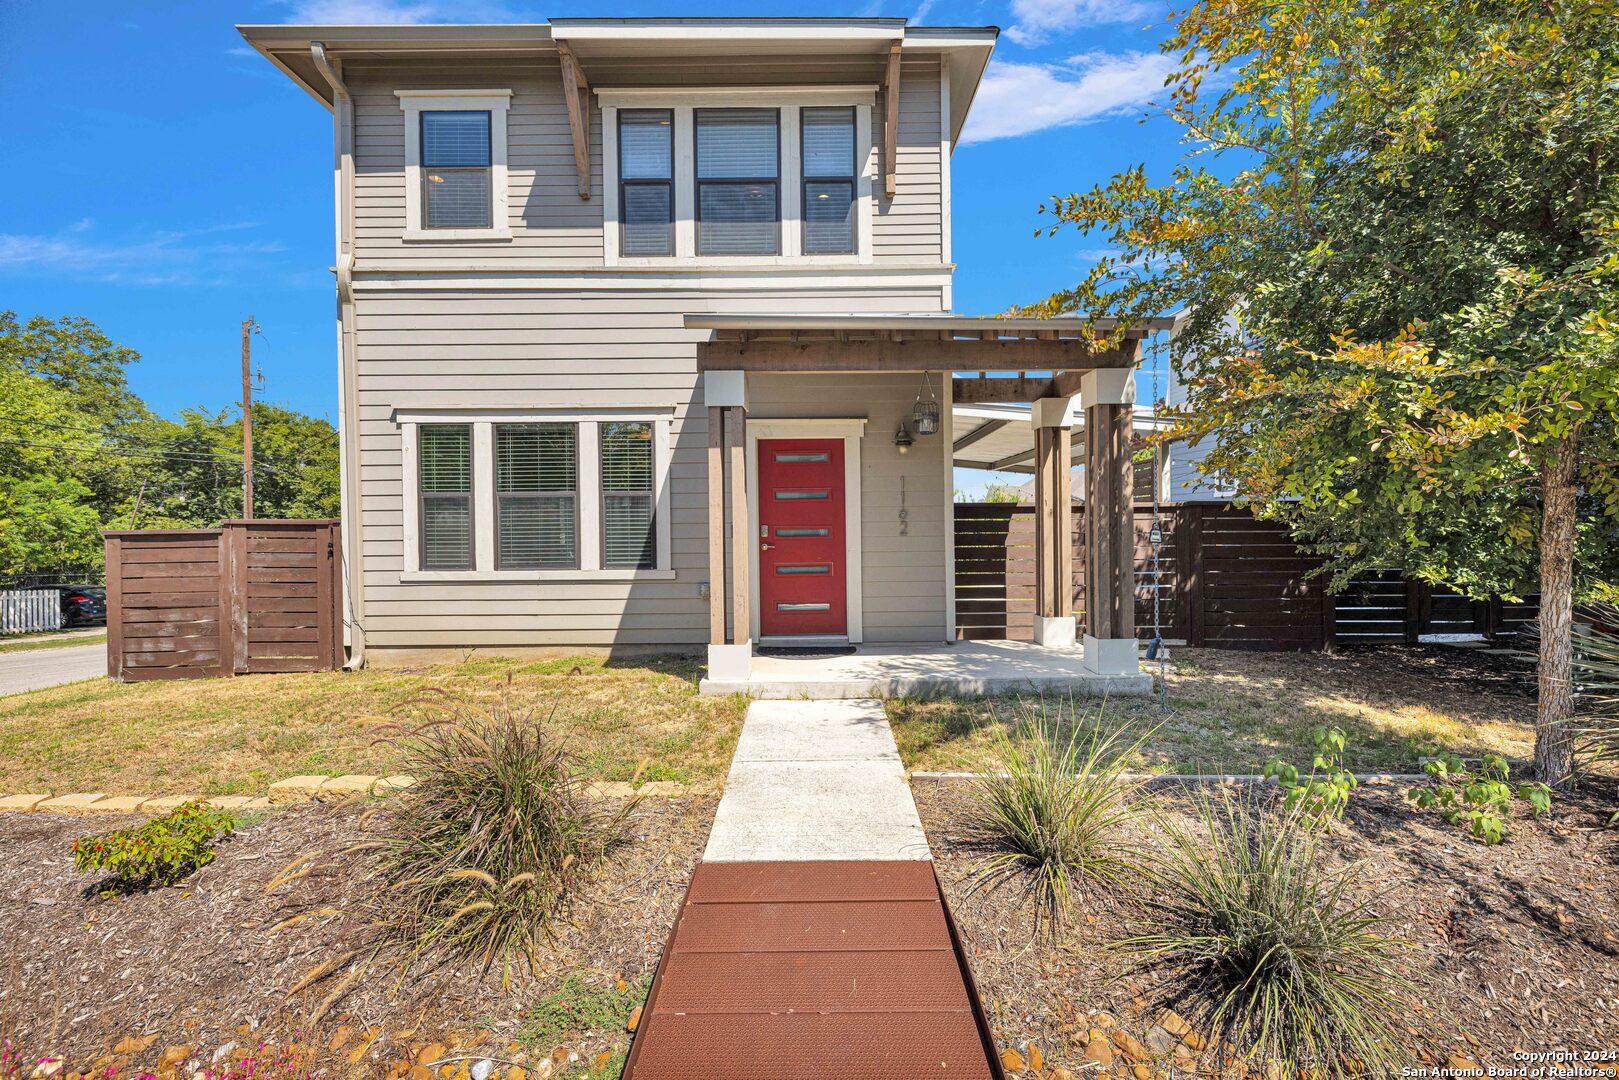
(851, 430)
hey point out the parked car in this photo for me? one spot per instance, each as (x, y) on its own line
(83, 605)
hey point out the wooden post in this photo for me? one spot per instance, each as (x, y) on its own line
(576, 95)
(1062, 481)
(115, 608)
(1413, 610)
(233, 631)
(741, 542)
(716, 525)
(891, 122)
(1109, 523)
(247, 418)
(1045, 579)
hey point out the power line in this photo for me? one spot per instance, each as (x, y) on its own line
(196, 459)
(136, 439)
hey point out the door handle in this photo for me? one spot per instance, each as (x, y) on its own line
(766, 547)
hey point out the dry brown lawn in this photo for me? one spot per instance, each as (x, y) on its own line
(638, 718)
(1233, 711)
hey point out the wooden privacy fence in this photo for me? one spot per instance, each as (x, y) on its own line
(248, 597)
(1225, 580)
(27, 611)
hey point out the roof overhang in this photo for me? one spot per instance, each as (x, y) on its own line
(288, 47)
(999, 438)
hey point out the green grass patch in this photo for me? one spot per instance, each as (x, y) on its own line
(30, 643)
(577, 1006)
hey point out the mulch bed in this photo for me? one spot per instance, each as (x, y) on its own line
(196, 965)
(1515, 946)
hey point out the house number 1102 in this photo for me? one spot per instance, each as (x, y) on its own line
(904, 514)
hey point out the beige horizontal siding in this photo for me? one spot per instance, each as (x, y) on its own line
(550, 224)
(425, 348)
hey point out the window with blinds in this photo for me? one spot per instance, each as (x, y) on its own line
(444, 465)
(827, 137)
(456, 192)
(536, 496)
(738, 189)
(629, 536)
(646, 171)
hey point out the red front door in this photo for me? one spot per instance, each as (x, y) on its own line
(802, 584)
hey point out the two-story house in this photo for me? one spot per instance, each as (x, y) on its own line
(645, 341)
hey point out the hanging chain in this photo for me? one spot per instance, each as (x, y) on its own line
(1156, 536)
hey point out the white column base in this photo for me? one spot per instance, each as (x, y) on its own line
(1112, 656)
(1059, 633)
(730, 663)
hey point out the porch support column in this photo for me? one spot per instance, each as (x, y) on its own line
(1110, 614)
(730, 649)
(1052, 420)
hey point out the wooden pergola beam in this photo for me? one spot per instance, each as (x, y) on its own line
(576, 91)
(902, 355)
(998, 391)
(891, 122)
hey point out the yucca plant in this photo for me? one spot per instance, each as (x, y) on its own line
(1258, 944)
(498, 830)
(1051, 812)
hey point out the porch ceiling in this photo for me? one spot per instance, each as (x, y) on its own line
(999, 437)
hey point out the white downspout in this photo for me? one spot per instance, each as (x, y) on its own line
(347, 381)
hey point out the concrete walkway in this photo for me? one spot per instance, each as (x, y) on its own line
(816, 781)
(39, 668)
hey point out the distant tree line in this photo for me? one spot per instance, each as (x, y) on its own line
(81, 452)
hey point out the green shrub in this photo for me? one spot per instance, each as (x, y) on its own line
(1260, 946)
(1051, 809)
(577, 1006)
(1481, 800)
(163, 851)
(496, 832)
(1322, 795)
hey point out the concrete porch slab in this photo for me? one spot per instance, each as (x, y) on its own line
(967, 667)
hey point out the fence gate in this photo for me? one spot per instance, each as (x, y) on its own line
(251, 596)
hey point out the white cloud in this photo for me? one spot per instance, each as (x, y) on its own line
(392, 12)
(197, 257)
(1037, 20)
(1015, 99)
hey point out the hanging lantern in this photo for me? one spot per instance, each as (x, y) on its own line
(925, 414)
(1155, 535)
(903, 440)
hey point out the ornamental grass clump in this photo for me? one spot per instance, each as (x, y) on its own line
(1051, 812)
(1258, 944)
(496, 833)
(163, 851)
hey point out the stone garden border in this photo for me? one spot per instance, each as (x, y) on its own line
(289, 792)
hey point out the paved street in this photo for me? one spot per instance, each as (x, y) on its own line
(49, 667)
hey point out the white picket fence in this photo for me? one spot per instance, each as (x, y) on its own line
(25, 611)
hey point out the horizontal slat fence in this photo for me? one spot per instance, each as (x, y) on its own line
(251, 596)
(1226, 580)
(995, 571)
(28, 611)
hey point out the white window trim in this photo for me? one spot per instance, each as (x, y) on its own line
(851, 430)
(496, 103)
(789, 100)
(589, 494)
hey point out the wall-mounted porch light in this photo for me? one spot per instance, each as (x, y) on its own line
(902, 439)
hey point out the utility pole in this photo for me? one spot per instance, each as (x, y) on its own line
(247, 419)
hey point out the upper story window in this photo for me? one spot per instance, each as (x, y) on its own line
(738, 189)
(455, 164)
(646, 171)
(455, 170)
(829, 180)
(738, 176)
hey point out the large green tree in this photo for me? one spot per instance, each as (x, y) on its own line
(1397, 244)
(81, 452)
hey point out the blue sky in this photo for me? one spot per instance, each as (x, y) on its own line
(165, 181)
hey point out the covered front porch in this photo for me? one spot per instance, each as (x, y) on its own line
(830, 502)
